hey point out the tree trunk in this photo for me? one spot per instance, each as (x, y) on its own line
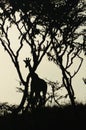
(20, 107)
(71, 96)
(68, 85)
(69, 89)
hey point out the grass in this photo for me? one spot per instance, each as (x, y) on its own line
(46, 118)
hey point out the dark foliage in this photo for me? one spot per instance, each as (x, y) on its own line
(47, 118)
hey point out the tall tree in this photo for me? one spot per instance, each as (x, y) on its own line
(27, 18)
(65, 46)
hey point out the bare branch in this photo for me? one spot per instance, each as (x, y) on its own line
(74, 55)
(78, 67)
(21, 45)
(8, 42)
(43, 39)
(48, 45)
(68, 56)
(7, 49)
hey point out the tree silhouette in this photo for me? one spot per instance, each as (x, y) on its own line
(26, 18)
(65, 47)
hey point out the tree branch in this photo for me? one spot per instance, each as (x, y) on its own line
(78, 67)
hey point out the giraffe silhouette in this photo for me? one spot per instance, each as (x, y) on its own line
(38, 87)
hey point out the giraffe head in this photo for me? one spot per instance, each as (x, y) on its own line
(27, 62)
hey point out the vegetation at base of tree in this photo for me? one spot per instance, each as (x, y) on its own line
(46, 118)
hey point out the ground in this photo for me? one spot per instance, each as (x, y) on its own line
(46, 118)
